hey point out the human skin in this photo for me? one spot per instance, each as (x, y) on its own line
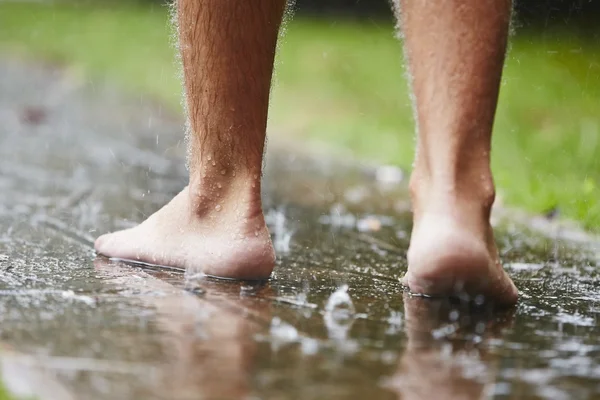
(455, 51)
(216, 224)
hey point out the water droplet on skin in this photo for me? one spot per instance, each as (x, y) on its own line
(209, 158)
(214, 163)
(219, 185)
(255, 176)
(233, 173)
(253, 184)
(218, 207)
(255, 233)
(223, 172)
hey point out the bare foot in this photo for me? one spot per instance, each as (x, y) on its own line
(452, 252)
(228, 239)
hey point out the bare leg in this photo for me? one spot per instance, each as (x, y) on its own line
(216, 224)
(455, 50)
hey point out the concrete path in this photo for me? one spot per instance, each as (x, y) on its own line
(77, 160)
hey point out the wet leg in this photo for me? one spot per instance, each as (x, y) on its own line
(216, 224)
(455, 50)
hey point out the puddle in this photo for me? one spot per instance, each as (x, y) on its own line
(333, 322)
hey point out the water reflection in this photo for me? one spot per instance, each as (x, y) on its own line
(209, 334)
(448, 353)
(207, 341)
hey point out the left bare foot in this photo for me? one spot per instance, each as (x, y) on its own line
(230, 240)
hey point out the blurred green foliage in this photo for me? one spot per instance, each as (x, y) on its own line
(575, 15)
(340, 84)
(5, 394)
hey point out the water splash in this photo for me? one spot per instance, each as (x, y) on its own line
(339, 317)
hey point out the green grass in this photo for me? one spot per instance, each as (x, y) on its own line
(340, 84)
(5, 395)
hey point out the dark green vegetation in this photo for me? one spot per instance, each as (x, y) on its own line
(340, 85)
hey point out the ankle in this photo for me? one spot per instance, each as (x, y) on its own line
(446, 192)
(230, 192)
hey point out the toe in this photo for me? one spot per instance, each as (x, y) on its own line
(98, 244)
(101, 244)
(404, 280)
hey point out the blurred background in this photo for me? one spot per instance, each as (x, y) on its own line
(340, 83)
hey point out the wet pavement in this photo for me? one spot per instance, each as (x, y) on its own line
(77, 160)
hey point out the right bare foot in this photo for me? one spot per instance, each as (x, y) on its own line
(453, 252)
(227, 238)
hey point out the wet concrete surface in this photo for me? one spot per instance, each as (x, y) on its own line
(77, 160)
